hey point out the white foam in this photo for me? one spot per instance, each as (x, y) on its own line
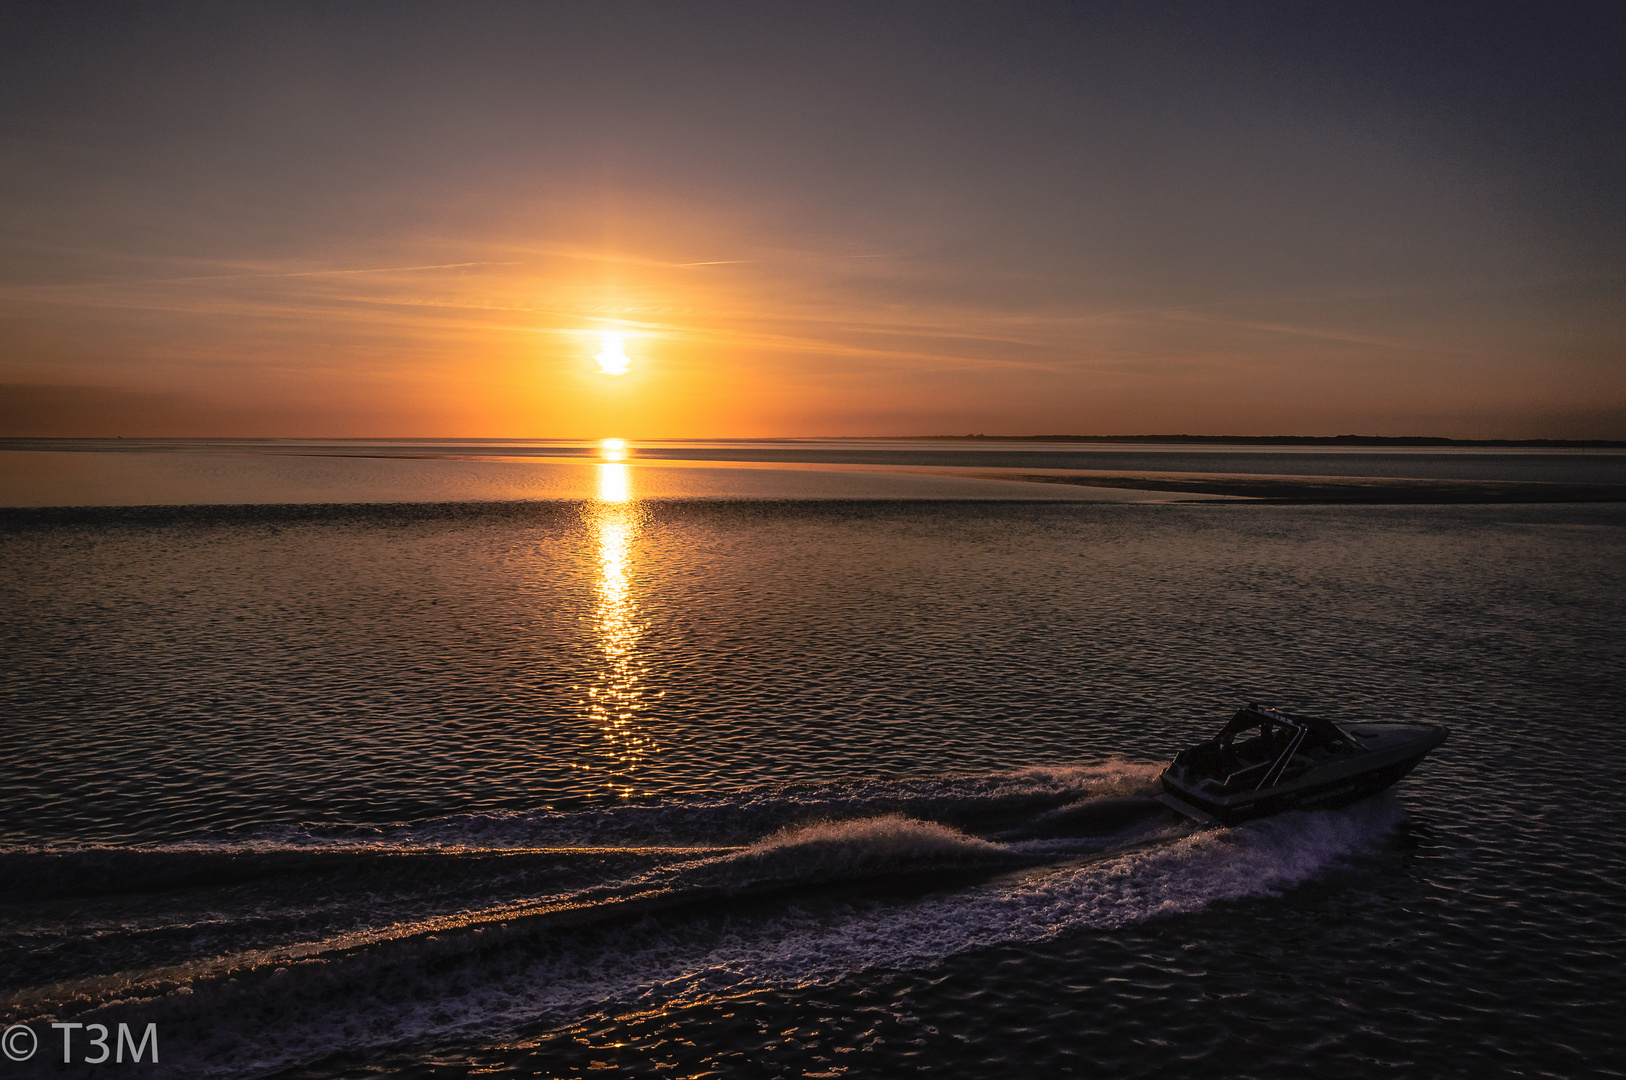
(887, 838)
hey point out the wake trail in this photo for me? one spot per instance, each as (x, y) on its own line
(810, 900)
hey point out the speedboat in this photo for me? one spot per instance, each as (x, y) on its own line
(1265, 761)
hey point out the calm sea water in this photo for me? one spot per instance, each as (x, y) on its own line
(803, 787)
(137, 472)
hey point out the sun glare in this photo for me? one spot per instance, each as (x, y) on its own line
(612, 449)
(612, 358)
(612, 484)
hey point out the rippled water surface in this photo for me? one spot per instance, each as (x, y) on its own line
(805, 788)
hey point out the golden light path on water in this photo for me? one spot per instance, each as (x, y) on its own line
(620, 694)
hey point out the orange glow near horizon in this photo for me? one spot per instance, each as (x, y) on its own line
(759, 348)
(612, 449)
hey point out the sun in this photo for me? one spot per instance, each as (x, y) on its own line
(612, 358)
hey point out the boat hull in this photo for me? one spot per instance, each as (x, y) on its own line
(1323, 789)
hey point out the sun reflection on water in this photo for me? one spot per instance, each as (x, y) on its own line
(612, 484)
(619, 696)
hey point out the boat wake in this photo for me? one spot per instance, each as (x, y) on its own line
(259, 952)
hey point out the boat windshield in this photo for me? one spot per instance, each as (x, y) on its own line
(1261, 746)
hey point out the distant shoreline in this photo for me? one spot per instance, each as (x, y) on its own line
(1259, 440)
(1345, 490)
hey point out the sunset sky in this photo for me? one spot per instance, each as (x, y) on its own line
(813, 219)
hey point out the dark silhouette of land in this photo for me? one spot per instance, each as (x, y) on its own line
(1340, 489)
(1278, 440)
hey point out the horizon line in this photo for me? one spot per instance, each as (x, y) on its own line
(1184, 438)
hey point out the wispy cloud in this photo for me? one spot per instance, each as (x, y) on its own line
(269, 274)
